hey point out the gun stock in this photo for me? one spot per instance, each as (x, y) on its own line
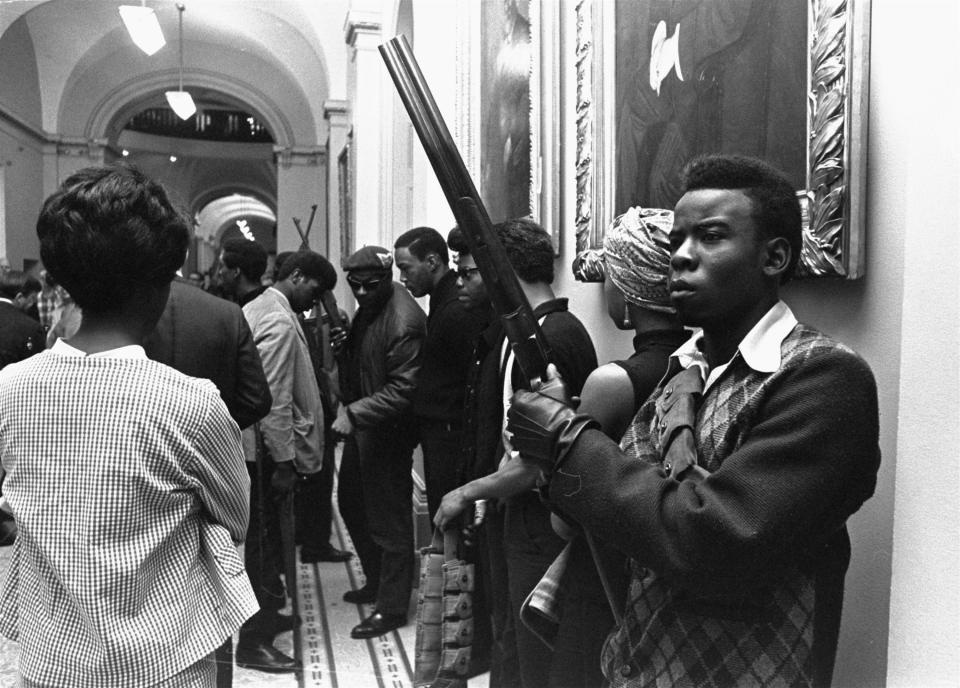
(329, 303)
(509, 301)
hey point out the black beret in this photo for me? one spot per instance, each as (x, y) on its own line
(372, 258)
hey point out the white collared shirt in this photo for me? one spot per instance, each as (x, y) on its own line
(132, 351)
(760, 348)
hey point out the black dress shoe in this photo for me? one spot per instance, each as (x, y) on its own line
(262, 656)
(365, 595)
(331, 553)
(378, 624)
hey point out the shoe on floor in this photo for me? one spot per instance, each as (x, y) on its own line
(262, 656)
(365, 595)
(378, 624)
(330, 553)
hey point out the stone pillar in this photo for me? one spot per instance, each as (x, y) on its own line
(367, 85)
(63, 157)
(338, 238)
(301, 182)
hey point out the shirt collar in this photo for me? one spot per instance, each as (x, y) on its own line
(132, 351)
(760, 349)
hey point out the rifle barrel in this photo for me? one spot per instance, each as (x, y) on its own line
(508, 299)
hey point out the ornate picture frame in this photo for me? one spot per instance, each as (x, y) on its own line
(345, 166)
(835, 91)
(479, 39)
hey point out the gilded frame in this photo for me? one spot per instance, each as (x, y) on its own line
(837, 76)
(345, 165)
(543, 173)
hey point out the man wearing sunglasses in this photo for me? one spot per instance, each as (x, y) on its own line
(423, 262)
(383, 359)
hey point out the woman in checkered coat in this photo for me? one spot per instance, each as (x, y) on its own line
(126, 477)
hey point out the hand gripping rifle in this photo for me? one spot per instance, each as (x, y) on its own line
(510, 303)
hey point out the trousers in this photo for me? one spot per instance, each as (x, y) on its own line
(375, 497)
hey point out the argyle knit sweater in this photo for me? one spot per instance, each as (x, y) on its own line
(737, 578)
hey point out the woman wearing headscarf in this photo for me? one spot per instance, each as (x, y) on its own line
(635, 262)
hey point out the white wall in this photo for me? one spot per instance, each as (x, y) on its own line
(924, 597)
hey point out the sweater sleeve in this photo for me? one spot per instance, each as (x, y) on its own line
(808, 463)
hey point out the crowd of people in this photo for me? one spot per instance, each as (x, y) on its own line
(672, 518)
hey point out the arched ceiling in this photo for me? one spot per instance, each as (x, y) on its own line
(281, 59)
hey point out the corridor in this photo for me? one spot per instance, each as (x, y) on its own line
(331, 658)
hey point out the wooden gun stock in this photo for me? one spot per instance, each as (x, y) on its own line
(329, 303)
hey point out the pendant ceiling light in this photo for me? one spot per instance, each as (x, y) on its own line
(180, 101)
(143, 27)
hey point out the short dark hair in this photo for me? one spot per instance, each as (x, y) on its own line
(11, 283)
(776, 209)
(249, 256)
(278, 262)
(423, 240)
(312, 265)
(457, 242)
(529, 249)
(108, 230)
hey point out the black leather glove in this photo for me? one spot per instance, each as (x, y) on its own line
(543, 425)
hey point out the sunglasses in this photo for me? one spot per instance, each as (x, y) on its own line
(368, 284)
(464, 273)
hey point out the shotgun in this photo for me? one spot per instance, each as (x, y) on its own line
(510, 303)
(503, 287)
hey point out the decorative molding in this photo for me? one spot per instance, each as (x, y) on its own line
(75, 147)
(359, 23)
(829, 204)
(289, 156)
(584, 122)
(334, 110)
(22, 125)
(129, 96)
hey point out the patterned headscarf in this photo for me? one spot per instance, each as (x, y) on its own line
(636, 254)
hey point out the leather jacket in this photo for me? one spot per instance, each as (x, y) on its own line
(390, 360)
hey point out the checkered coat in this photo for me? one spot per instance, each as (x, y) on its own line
(737, 577)
(130, 492)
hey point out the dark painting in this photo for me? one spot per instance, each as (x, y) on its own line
(505, 108)
(706, 76)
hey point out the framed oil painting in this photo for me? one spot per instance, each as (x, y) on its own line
(507, 100)
(659, 83)
(505, 68)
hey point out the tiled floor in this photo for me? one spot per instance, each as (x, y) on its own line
(331, 658)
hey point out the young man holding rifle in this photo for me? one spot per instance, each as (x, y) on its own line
(731, 489)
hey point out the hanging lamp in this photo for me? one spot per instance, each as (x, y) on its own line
(180, 101)
(143, 26)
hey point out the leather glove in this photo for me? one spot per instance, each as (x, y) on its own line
(544, 425)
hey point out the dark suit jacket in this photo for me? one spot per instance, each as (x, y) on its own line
(20, 335)
(204, 336)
